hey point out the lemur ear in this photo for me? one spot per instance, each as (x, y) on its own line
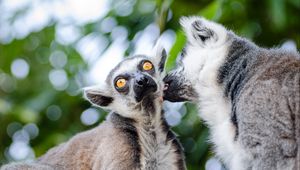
(200, 31)
(161, 56)
(98, 96)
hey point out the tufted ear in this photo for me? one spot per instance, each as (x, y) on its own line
(203, 32)
(98, 96)
(160, 57)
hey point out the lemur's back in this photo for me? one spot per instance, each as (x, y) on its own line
(104, 147)
(269, 111)
(108, 146)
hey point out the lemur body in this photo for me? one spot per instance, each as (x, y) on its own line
(247, 95)
(135, 134)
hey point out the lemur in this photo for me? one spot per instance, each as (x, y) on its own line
(247, 95)
(135, 135)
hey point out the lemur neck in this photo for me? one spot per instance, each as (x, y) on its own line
(151, 112)
(149, 120)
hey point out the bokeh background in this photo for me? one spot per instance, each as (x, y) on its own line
(50, 49)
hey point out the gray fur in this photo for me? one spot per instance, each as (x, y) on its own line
(262, 88)
(134, 136)
(93, 149)
(268, 110)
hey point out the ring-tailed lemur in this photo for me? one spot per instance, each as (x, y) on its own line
(249, 96)
(135, 134)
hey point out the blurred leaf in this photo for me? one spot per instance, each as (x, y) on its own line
(212, 11)
(277, 13)
(163, 10)
(4, 106)
(26, 115)
(176, 49)
(295, 3)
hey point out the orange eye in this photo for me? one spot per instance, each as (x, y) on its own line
(147, 66)
(121, 82)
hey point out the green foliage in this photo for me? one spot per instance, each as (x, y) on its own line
(178, 45)
(33, 99)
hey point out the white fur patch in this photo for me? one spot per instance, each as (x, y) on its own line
(201, 65)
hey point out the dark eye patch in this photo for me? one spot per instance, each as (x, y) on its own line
(140, 67)
(124, 89)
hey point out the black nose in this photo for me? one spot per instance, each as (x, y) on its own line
(142, 81)
(143, 86)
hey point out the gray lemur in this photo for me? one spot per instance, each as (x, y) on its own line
(135, 134)
(248, 96)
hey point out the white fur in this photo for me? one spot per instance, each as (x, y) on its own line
(158, 150)
(201, 65)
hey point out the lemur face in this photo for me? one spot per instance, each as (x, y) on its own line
(131, 84)
(206, 40)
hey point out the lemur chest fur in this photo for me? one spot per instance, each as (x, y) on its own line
(153, 145)
(158, 146)
(216, 109)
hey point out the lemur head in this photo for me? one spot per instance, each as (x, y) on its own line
(133, 86)
(206, 41)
